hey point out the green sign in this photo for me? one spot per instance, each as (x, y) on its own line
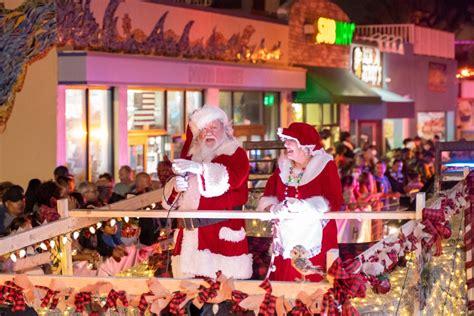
(269, 100)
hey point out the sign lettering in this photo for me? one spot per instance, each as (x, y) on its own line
(334, 32)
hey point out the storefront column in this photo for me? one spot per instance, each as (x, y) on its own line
(211, 96)
(120, 128)
(61, 125)
(285, 108)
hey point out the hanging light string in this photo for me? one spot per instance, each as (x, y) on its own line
(404, 284)
(453, 265)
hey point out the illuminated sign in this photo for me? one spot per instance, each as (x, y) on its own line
(269, 100)
(367, 64)
(334, 32)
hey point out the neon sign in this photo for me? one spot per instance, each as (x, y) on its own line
(334, 32)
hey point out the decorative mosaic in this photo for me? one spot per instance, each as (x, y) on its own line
(26, 35)
(79, 30)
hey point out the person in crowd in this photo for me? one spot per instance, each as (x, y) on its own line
(142, 183)
(384, 188)
(417, 144)
(396, 177)
(19, 224)
(4, 186)
(414, 184)
(61, 171)
(13, 206)
(366, 192)
(345, 141)
(212, 175)
(305, 182)
(31, 195)
(48, 194)
(105, 184)
(125, 184)
(90, 195)
(426, 166)
(164, 171)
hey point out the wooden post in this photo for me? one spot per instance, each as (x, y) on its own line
(466, 172)
(66, 251)
(420, 205)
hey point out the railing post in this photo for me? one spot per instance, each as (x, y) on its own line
(66, 251)
(420, 205)
(466, 172)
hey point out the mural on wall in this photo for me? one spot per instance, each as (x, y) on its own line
(437, 77)
(431, 124)
(27, 33)
(78, 29)
(465, 118)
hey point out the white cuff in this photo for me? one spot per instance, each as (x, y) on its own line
(214, 180)
(266, 201)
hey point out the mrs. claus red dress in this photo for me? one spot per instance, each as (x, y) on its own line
(320, 179)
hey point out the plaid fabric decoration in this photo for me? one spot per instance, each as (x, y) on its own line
(50, 297)
(81, 299)
(143, 304)
(348, 309)
(393, 256)
(237, 297)
(300, 309)
(268, 306)
(206, 293)
(11, 293)
(434, 221)
(178, 298)
(330, 306)
(112, 299)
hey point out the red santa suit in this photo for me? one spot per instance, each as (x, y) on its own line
(222, 186)
(319, 191)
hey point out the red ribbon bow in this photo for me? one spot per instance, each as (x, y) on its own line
(81, 299)
(206, 293)
(393, 256)
(12, 294)
(178, 298)
(300, 309)
(112, 299)
(348, 283)
(434, 221)
(237, 297)
(268, 306)
(50, 297)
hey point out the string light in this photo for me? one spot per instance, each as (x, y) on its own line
(52, 243)
(99, 225)
(75, 235)
(126, 219)
(92, 229)
(43, 246)
(113, 222)
(13, 257)
(65, 240)
(22, 253)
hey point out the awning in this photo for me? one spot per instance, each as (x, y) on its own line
(393, 106)
(335, 85)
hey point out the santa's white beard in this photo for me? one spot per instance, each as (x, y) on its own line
(202, 151)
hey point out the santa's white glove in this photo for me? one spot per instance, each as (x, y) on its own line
(181, 184)
(295, 205)
(279, 208)
(181, 166)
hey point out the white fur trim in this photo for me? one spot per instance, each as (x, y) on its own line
(225, 233)
(228, 147)
(266, 201)
(193, 262)
(315, 166)
(214, 180)
(318, 204)
(205, 115)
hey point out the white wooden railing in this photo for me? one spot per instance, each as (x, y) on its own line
(425, 41)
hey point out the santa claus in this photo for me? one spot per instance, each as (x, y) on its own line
(303, 187)
(212, 176)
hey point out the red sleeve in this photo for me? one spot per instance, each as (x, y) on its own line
(271, 187)
(238, 168)
(332, 189)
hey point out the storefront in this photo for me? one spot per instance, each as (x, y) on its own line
(382, 125)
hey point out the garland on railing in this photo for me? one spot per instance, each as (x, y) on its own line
(350, 278)
(382, 258)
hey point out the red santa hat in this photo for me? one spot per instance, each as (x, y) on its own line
(304, 134)
(205, 115)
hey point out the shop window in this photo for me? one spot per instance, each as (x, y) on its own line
(100, 127)
(76, 133)
(271, 114)
(247, 107)
(225, 102)
(175, 112)
(313, 114)
(193, 102)
(88, 132)
(146, 109)
(297, 114)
